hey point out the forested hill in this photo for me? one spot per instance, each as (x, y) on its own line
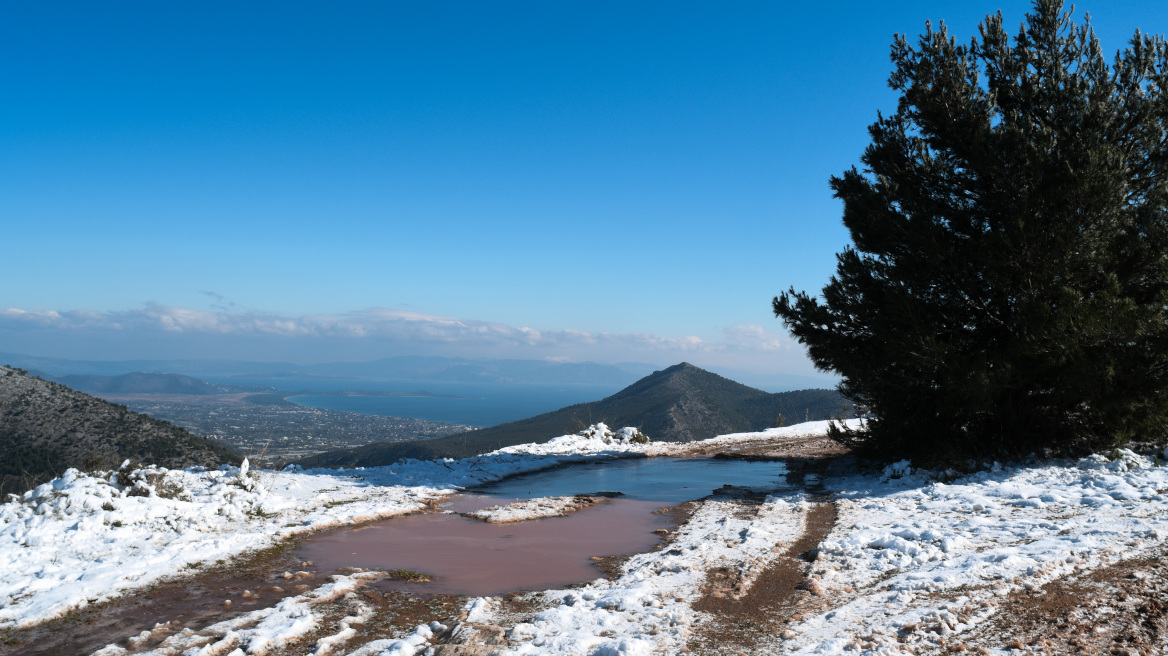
(677, 404)
(46, 428)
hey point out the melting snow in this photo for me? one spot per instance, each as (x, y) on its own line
(915, 556)
(82, 539)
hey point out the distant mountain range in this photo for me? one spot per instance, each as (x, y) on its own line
(677, 404)
(46, 428)
(138, 383)
(405, 368)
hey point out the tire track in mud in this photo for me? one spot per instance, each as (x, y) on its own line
(782, 590)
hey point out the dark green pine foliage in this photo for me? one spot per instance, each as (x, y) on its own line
(1007, 288)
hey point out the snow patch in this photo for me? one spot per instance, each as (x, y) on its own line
(528, 509)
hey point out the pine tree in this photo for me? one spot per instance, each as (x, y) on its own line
(1007, 287)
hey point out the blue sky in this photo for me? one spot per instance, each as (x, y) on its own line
(598, 181)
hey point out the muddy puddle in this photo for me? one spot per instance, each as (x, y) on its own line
(464, 556)
(469, 557)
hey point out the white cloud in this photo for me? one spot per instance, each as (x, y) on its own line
(378, 332)
(375, 323)
(752, 337)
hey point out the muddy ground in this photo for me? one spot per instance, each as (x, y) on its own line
(1120, 609)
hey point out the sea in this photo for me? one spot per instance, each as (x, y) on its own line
(469, 404)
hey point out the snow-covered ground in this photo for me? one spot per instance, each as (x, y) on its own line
(915, 560)
(912, 562)
(648, 609)
(84, 539)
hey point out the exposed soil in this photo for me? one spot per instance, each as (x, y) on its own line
(193, 601)
(197, 602)
(1114, 610)
(395, 614)
(769, 448)
(743, 612)
(1120, 609)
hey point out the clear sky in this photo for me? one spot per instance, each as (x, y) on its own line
(598, 181)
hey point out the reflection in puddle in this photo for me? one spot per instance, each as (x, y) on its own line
(470, 557)
(665, 480)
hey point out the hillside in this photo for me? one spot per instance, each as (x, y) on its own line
(678, 404)
(46, 428)
(140, 383)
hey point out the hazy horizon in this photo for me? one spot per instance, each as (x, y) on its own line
(352, 375)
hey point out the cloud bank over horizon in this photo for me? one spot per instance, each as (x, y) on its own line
(161, 331)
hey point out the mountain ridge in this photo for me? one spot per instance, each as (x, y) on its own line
(46, 428)
(138, 383)
(676, 404)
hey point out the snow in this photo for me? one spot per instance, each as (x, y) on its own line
(924, 553)
(83, 539)
(592, 439)
(650, 603)
(254, 633)
(528, 509)
(915, 557)
(911, 560)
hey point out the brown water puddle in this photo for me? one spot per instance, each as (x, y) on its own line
(465, 556)
(195, 602)
(470, 557)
